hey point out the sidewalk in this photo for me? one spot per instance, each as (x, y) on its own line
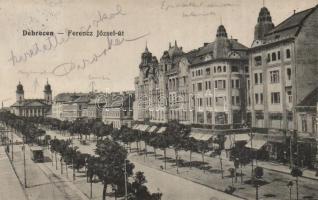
(10, 185)
(285, 169)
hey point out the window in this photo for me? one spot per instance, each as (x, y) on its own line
(287, 53)
(290, 97)
(192, 73)
(278, 55)
(258, 60)
(208, 71)
(246, 69)
(193, 87)
(219, 69)
(215, 84)
(256, 78)
(268, 57)
(237, 100)
(303, 123)
(233, 100)
(220, 84)
(233, 84)
(166, 67)
(288, 74)
(248, 83)
(224, 68)
(199, 86)
(214, 69)
(234, 69)
(200, 102)
(275, 97)
(256, 98)
(274, 75)
(273, 56)
(261, 98)
(237, 83)
(260, 78)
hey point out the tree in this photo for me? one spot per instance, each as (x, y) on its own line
(190, 145)
(232, 171)
(202, 147)
(258, 174)
(162, 142)
(177, 133)
(296, 172)
(112, 158)
(139, 190)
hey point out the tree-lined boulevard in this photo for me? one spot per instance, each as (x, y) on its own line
(99, 164)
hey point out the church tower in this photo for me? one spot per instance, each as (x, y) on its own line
(48, 93)
(19, 92)
(264, 24)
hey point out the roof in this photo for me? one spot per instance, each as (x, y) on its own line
(219, 49)
(63, 97)
(310, 100)
(83, 99)
(290, 27)
(30, 103)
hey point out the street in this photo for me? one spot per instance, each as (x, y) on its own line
(181, 188)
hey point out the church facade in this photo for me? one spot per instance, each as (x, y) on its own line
(32, 107)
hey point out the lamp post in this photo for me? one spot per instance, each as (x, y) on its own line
(11, 146)
(290, 185)
(125, 179)
(24, 164)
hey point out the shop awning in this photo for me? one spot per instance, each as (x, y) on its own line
(162, 129)
(143, 127)
(152, 129)
(200, 136)
(135, 126)
(231, 139)
(255, 144)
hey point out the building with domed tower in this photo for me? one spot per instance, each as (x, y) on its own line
(32, 107)
(218, 80)
(283, 74)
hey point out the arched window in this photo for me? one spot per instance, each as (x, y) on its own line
(273, 56)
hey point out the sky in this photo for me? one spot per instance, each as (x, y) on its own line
(83, 63)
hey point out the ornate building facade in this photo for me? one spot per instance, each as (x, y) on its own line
(182, 85)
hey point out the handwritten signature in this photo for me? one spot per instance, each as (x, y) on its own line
(53, 42)
(91, 77)
(192, 4)
(66, 68)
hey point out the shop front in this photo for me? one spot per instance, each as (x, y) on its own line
(277, 146)
(306, 152)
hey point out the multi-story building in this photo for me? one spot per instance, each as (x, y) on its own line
(118, 110)
(218, 81)
(162, 88)
(283, 71)
(59, 101)
(32, 107)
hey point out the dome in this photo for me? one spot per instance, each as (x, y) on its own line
(221, 32)
(264, 24)
(20, 88)
(47, 87)
(264, 15)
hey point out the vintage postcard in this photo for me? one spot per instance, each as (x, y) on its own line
(159, 99)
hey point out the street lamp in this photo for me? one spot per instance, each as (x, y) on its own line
(290, 185)
(125, 179)
(24, 163)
